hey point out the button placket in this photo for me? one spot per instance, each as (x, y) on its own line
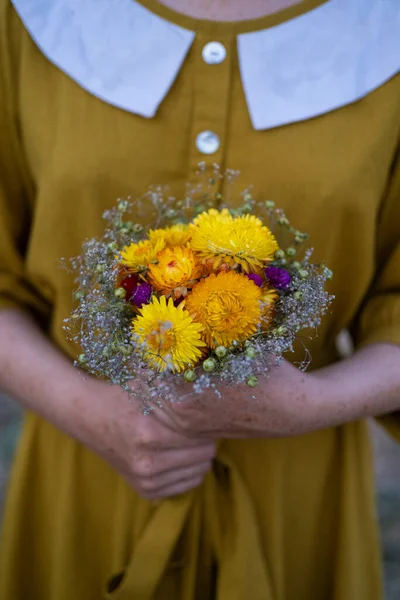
(212, 76)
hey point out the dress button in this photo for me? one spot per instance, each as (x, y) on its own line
(207, 142)
(214, 53)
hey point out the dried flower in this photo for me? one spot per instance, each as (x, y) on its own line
(208, 301)
(228, 307)
(279, 278)
(242, 241)
(255, 279)
(137, 257)
(177, 270)
(176, 235)
(141, 294)
(129, 284)
(167, 336)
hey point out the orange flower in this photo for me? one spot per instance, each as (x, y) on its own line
(137, 257)
(227, 305)
(176, 271)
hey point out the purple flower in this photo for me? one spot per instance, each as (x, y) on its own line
(141, 295)
(279, 278)
(256, 279)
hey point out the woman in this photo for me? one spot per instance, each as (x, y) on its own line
(98, 101)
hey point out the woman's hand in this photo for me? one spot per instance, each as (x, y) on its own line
(155, 458)
(290, 402)
(281, 405)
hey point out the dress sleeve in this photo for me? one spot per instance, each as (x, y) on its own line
(379, 318)
(17, 290)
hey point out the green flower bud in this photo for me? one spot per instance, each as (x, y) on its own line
(82, 358)
(124, 230)
(137, 228)
(281, 330)
(189, 376)
(283, 221)
(298, 295)
(252, 381)
(221, 351)
(125, 349)
(100, 268)
(279, 254)
(296, 264)
(291, 251)
(300, 237)
(120, 293)
(270, 204)
(171, 213)
(112, 247)
(123, 205)
(209, 365)
(303, 273)
(251, 352)
(79, 295)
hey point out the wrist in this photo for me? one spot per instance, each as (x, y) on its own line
(295, 397)
(84, 408)
(338, 399)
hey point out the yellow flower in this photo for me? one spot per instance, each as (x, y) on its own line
(269, 296)
(214, 217)
(177, 270)
(243, 241)
(137, 257)
(167, 335)
(176, 235)
(228, 307)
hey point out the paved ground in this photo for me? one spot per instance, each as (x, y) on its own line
(9, 427)
(388, 488)
(387, 461)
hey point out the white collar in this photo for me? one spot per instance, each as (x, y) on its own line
(129, 57)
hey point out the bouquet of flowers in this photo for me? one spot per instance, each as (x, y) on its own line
(211, 295)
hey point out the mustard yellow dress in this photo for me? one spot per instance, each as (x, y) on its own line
(287, 519)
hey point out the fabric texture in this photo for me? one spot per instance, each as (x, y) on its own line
(276, 519)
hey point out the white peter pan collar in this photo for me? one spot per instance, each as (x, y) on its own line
(129, 57)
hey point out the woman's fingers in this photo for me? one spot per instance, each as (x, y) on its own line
(164, 484)
(153, 463)
(179, 488)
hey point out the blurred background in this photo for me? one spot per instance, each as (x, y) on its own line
(387, 465)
